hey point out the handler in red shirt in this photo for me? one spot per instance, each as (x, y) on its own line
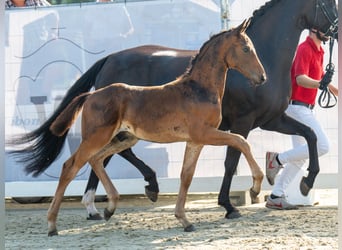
(306, 76)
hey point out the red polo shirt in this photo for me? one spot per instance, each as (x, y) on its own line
(308, 61)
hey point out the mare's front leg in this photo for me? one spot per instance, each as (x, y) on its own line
(192, 152)
(230, 164)
(287, 125)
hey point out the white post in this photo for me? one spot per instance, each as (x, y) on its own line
(2, 124)
(225, 14)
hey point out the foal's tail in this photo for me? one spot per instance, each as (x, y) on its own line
(40, 147)
(66, 118)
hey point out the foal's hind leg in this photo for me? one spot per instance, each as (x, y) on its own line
(112, 193)
(192, 152)
(96, 161)
(89, 146)
(69, 171)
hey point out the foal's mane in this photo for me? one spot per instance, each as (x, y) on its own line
(256, 14)
(202, 50)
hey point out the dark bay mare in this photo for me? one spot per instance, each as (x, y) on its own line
(182, 110)
(275, 34)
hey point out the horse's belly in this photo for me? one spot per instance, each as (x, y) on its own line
(158, 132)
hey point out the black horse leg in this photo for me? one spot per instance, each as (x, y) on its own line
(93, 181)
(287, 125)
(152, 189)
(89, 194)
(231, 162)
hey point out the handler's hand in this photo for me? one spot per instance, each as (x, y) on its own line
(326, 79)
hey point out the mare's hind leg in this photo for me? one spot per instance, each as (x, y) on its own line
(112, 194)
(152, 189)
(287, 125)
(192, 152)
(88, 199)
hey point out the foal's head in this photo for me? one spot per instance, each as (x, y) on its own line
(240, 54)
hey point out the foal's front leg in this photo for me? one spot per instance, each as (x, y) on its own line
(192, 152)
(217, 137)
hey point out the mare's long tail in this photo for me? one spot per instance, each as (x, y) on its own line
(40, 146)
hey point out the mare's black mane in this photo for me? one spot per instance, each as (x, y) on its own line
(261, 11)
(256, 14)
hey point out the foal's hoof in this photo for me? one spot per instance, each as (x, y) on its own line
(153, 196)
(107, 214)
(233, 215)
(304, 188)
(190, 228)
(53, 233)
(254, 196)
(96, 216)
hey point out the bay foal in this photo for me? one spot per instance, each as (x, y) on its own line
(187, 109)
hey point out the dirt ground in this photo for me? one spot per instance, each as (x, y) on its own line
(140, 224)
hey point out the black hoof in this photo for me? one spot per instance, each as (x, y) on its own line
(190, 228)
(254, 196)
(304, 188)
(233, 215)
(94, 217)
(153, 196)
(53, 233)
(107, 214)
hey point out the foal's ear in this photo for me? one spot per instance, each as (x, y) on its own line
(244, 25)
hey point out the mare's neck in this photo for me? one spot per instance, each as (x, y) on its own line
(275, 37)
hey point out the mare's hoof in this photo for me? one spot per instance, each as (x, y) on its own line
(254, 196)
(304, 188)
(94, 217)
(53, 233)
(233, 215)
(190, 228)
(107, 214)
(153, 196)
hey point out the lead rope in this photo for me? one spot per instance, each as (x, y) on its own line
(326, 95)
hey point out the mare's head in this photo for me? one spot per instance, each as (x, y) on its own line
(321, 15)
(242, 56)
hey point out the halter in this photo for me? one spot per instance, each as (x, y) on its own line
(326, 95)
(332, 31)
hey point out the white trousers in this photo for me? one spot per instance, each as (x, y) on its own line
(294, 159)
